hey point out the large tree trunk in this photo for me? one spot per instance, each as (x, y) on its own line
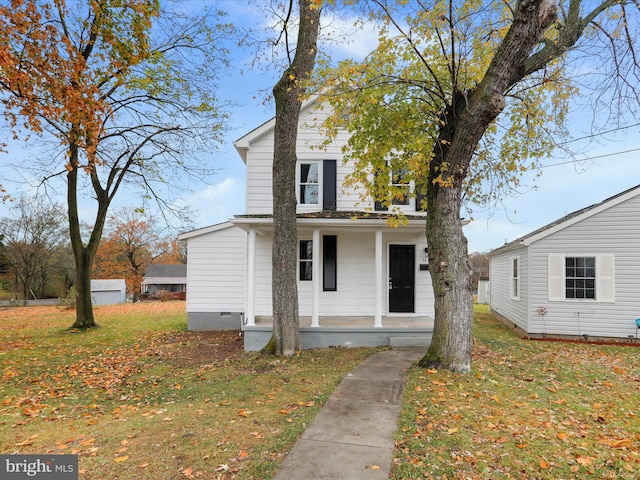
(84, 255)
(287, 93)
(463, 125)
(84, 307)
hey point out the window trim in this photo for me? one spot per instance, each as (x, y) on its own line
(410, 204)
(308, 262)
(515, 277)
(308, 206)
(604, 278)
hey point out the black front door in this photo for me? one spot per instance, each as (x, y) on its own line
(401, 278)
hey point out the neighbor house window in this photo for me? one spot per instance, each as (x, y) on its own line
(515, 278)
(305, 261)
(309, 183)
(580, 277)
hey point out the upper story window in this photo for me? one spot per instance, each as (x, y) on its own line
(309, 183)
(403, 195)
(401, 186)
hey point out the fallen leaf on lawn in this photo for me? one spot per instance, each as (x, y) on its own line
(121, 459)
(243, 454)
(451, 431)
(543, 464)
(143, 465)
(584, 460)
(187, 472)
(223, 467)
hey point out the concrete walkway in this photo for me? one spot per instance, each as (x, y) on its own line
(352, 436)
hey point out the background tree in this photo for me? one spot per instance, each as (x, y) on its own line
(467, 95)
(123, 90)
(132, 243)
(288, 93)
(480, 267)
(32, 235)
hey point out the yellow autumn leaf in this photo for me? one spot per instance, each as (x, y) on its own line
(584, 460)
(121, 459)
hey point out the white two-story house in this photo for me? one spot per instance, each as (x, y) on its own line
(361, 281)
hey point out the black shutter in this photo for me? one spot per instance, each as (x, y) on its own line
(328, 184)
(329, 263)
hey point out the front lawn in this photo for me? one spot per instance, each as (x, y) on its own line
(528, 410)
(141, 398)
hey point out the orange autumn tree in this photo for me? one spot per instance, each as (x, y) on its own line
(123, 88)
(131, 244)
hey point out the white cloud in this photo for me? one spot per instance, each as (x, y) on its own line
(217, 202)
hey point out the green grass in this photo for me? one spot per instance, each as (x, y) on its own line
(126, 398)
(528, 409)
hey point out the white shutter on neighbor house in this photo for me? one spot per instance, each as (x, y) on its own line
(605, 278)
(556, 278)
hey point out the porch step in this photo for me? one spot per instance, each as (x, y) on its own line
(409, 341)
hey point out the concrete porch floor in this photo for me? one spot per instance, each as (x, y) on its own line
(352, 331)
(348, 322)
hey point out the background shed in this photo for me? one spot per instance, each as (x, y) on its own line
(106, 292)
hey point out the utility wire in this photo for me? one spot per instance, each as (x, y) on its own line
(589, 158)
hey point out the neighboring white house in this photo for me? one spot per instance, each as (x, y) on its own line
(106, 292)
(171, 278)
(578, 276)
(360, 281)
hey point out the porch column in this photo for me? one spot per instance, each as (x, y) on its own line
(315, 274)
(379, 279)
(251, 278)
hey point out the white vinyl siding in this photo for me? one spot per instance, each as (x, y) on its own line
(610, 235)
(501, 280)
(259, 158)
(355, 295)
(216, 271)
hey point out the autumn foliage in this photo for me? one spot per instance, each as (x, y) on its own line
(544, 410)
(132, 243)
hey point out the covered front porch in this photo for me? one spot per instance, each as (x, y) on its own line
(347, 331)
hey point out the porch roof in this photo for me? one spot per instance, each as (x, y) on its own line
(332, 218)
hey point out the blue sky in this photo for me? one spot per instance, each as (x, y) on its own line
(567, 184)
